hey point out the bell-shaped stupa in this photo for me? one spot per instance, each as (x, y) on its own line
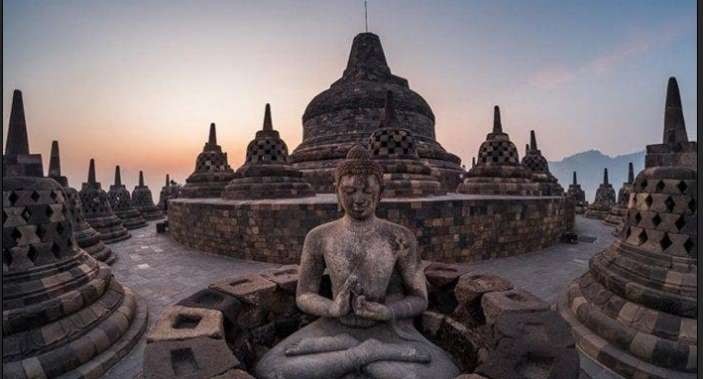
(121, 203)
(142, 200)
(98, 212)
(635, 310)
(394, 147)
(266, 173)
(349, 111)
(619, 210)
(212, 172)
(578, 195)
(539, 169)
(498, 170)
(605, 199)
(170, 190)
(63, 312)
(87, 238)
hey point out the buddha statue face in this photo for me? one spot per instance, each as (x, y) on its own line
(359, 195)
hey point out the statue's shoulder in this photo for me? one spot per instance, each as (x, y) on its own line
(322, 231)
(396, 229)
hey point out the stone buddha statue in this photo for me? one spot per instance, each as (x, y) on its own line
(365, 330)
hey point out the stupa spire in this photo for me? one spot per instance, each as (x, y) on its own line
(473, 162)
(91, 172)
(527, 148)
(575, 182)
(630, 173)
(212, 138)
(118, 177)
(141, 178)
(54, 160)
(389, 115)
(674, 126)
(497, 125)
(533, 140)
(17, 140)
(268, 124)
(168, 180)
(605, 176)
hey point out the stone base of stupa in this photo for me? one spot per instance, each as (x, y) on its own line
(131, 218)
(450, 228)
(498, 186)
(203, 189)
(110, 228)
(151, 213)
(616, 216)
(597, 213)
(270, 187)
(89, 240)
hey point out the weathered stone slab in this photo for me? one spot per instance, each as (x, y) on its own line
(200, 357)
(471, 287)
(496, 304)
(285, 277)
(251, 288)
(179, 323)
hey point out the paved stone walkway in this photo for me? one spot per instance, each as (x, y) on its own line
(162, 272)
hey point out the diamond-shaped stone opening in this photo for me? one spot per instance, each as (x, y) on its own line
(660, 185)
(41, 231)
(56, 250)
(682, 186)
(16, 234)
(32, 254)
(35, 196)
(638, 217)
(60, 228)
(628, 232)
(6, 258)
(26, 214)
(669, 202)
(643, 237)
(692, 205)
(689, 245)
(53, 195)
(4, 216)
(680, 222)
(49, 211)
(648, 200)
(656, 220)
(644, 183)
(665, 242)
(13, 198)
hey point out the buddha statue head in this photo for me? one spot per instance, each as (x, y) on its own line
(359, 184)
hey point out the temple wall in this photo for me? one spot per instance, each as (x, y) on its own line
(450, 228)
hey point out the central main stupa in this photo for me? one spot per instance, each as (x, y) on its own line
(351, 109)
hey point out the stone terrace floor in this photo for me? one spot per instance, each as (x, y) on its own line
(162, 272)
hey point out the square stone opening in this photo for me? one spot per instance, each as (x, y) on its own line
(186, 321)
(183, 362)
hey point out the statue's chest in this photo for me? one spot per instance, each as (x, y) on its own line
(371, 258)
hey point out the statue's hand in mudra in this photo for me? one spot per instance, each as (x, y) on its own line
(341, 305)
(371, 310)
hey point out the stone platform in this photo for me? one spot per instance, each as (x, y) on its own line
(449, 228)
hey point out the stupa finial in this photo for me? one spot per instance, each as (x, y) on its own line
(141, 177)
(17, 140)
(630, 173)
(674, 125)
(473, 162)
(118, 177)
(533, 140)
(527, 148)
(91, 172)
(389, 115)
(212, 138)
(168, 180)
(54, 160)
(497, 125)
(605, 176)
(268, 124)
(575, 182)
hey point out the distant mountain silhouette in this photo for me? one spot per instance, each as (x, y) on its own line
(589, 167)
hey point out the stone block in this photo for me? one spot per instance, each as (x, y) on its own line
(200, 357)
(234, 374)
(211, 299)
(495, 304)
(251, 288)
(286, 277)
(472, 287)
(179, 323)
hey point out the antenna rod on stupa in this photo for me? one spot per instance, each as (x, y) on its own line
(605, 176)
(141, 174)
(268, 125)
(212, 138)
(17, 140)
(118, 177)
(575, 183)
(388, 111)
(533, 140)
(674, 126)
(54, 160)
(497, 125)
(630, 173)
(91, 172)
(366, 16)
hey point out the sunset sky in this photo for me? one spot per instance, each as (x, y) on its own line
(136, 83)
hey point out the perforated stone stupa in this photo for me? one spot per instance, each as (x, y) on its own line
(393, 146)
(212, 172)
(63, 311)
(605, 199)
(121, 203)
(619, 210)
(142, 200)
(350, 110)
(266, 173)
(635, 310)
(578, 194)
(498, 170)
(170, 190)
(87, 238)
(537, 164)
(98, 211)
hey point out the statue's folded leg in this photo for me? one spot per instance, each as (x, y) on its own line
(316, 345)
